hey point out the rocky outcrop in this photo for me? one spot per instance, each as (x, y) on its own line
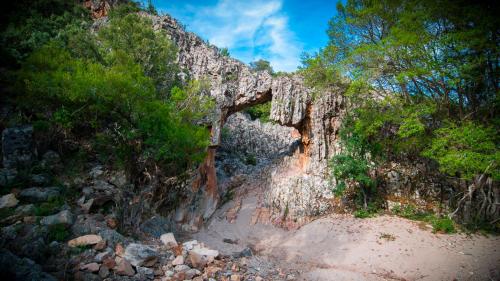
(234, 87)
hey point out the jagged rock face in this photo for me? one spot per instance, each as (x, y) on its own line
(17, 147)
(248, 146)
(235, 87)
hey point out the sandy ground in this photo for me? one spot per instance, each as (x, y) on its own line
(341, 247)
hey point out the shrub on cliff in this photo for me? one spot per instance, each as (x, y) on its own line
(118, 89)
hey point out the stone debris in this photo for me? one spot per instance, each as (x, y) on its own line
(85, 240)
(168, 240)
(8, 201)
(64, 217)
(139, 254)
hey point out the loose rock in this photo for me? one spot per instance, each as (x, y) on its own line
(37, 194)
(85, 240)
(138, 254)
(8, 201)
(168, 239)
(124, 268)
(64, 217)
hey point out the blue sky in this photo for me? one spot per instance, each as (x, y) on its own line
(275, 30)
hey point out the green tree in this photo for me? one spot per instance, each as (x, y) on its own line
(224, 52)
(134, 35)
(262, 65)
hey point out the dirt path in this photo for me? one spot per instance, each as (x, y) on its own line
(340, 247)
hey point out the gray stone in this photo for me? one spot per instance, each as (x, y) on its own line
(156, 226)
(51, 160)
(17, 147)
(247, 252)
(22, 269)
(63, 217)
(40, 179)
(102, 185)
(25, 210)
(191, 273)
(96, 172)
(112, 237)
(101, 256)
(7, 176)
(145, 272)
(138, 254)
(8, 201)
(181, 268)
(38, 194)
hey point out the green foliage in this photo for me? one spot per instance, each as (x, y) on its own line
(31, 24)
(363, 214)
(260, 111)
(119, 89)
(224, 52)
(50, 207)
(152, 50)
(352, 165)
(439, 224)
(58, 232)
(444, 225)
(262, 65)
(251, 160)
(465, 150)
(421, 80)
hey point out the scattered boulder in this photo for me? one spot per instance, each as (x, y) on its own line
(101, 256)
(201, 256)
(25, 210)
(247, 252)
(8, 201)
(103, 271)
(139, 254)
(145, 272)
(112, 237)
(37, 194)
(64, 217)
(189, 245)
(7, 176)
(51, 160)
(168, 239)
(96, 172)
(17, 147)
(178, 260)
(23, 269)
(90, 267)
(181, 268)
(191, 273)
(124, 268)
(85, 240)
(156, 226)
(40, 179)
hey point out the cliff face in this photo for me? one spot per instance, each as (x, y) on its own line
(300, 182)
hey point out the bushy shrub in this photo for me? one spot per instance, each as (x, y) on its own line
(58, 232)
(260, 111)
(120, 91)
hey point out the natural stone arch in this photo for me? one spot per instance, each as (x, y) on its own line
(234, 86)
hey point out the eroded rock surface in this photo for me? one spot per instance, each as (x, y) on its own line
(235, 87)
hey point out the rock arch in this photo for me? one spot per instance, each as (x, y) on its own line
(235, 87)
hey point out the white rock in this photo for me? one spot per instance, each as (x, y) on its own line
(168, 239)
(178, 260)
(8, 201)
(189, 245)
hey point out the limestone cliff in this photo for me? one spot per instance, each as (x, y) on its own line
(299, 184)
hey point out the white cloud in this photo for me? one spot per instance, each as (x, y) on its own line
(252, 29)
